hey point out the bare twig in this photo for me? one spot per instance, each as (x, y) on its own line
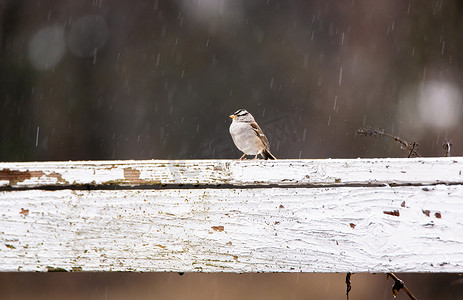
(446, 146)
(398, 285)
(404, 145)
(412, 149)
(348, 285)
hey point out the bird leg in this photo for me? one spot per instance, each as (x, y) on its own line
(241, 158)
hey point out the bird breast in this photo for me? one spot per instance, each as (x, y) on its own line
(245, 138)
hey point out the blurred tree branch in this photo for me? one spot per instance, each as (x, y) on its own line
(404, 145)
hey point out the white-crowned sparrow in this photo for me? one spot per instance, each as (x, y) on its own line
(247, 135)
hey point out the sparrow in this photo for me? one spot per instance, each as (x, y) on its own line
(247, 135)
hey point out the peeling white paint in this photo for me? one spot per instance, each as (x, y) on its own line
(340, 215)
(252, 172)
(325, 229)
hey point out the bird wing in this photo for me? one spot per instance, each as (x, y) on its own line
(260, 134)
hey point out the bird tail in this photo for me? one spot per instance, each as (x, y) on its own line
(267, 155)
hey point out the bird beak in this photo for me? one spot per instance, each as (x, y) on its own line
(232, 116)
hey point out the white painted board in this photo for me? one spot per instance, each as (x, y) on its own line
(324, 229)
(233, 172)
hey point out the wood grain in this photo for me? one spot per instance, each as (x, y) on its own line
(324, 229)
(339, 172)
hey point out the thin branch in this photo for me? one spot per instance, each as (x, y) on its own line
(348, 284)
(404, 145)
(398, 285)
(412, 149)
(446, 146)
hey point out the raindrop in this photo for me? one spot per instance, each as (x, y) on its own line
(329, 120)
(271, 82)
(340, 76)
(424, 77)
(304, 134)
(37, 137)
(335, 102)
(94, 55)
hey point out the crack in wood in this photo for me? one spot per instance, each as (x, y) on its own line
(130, 185)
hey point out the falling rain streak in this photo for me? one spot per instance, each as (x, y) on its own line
(340, 76)
(37, 137)
(192, 63)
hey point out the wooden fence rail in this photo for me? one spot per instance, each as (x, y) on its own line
(334, 215)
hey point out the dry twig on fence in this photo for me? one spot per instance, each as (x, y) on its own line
(446, 146)
(348, 284)
(398, 285)
(404, 145)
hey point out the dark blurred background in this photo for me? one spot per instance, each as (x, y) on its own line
(87, 80)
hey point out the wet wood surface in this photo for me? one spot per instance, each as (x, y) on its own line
(362, 215)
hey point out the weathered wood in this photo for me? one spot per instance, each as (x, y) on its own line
(231, 172)
(317, 216)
